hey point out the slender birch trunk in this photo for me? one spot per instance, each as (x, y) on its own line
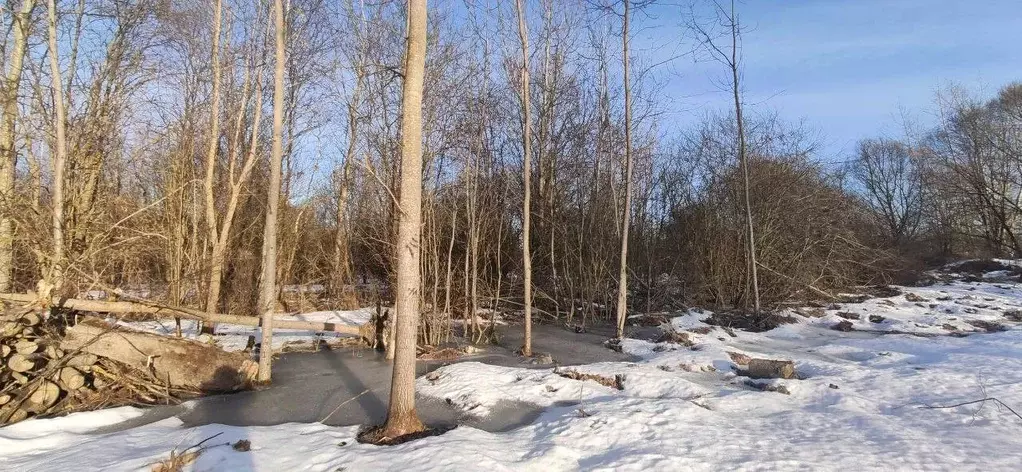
(213, 290)
(268, 283)
(622, 288)
(402, 418)
(8, 157)
(56, 275)
(742, 155)
(523, 37)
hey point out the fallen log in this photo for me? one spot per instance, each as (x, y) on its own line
(102, 306)
(182, 363)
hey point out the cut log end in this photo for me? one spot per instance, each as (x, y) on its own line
(770, 369)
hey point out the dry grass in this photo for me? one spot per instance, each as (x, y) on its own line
(176, 462)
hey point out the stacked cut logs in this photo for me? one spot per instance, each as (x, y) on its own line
(49, 368)
(35, 373)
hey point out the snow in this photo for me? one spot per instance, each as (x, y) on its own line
(859, 403)
(235, 337)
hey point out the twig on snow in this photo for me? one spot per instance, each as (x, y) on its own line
(982, 400)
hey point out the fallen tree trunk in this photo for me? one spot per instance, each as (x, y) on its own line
(103, 306)
(182, 363)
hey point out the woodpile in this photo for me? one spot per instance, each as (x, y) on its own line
(48, 368)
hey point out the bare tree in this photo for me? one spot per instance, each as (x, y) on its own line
(402, 419)
(268, 282)
(524, 94)
(626, 214)
(730, 58)
(891, 185)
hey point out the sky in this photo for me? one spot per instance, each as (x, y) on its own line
(849, 68)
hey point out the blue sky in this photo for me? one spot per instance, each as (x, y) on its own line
(850, 68)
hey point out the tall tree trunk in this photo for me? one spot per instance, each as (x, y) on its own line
(523, 37)
(8, 156)
(742, 155)
(402, 418)
(268, 282)
(626, 214)
(56, 273)
(213, 290)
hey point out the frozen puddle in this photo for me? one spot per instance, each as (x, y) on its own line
(309, 386)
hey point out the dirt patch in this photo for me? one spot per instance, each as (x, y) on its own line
(811, 312)
(751, 322)
(912, 297)
(374, 435)
(848, 315)
(617, 382)
(652, 319)
(876, 319)
(883, 291)
(982, 266)
(843, 326)
(767, 387)
(988, 326)
(676, 338)
(1013, 315)
(446, 354)
(739, 358)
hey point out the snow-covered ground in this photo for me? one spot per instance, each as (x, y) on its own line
(235, 337)
(859, 402)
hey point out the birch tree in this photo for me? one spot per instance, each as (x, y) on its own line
(729, 56)
(56, 272)
(213, 290)
(626, 214)
(524, 93)
(268, 282)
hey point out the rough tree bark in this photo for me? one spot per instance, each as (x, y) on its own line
(268, 282)
(622, 287)
(402, 418)
(523, 37)
(21, 24)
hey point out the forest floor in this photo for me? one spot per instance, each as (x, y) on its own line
(863, 397)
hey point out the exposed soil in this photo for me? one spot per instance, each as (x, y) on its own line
(374, 435)
(751, 322)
